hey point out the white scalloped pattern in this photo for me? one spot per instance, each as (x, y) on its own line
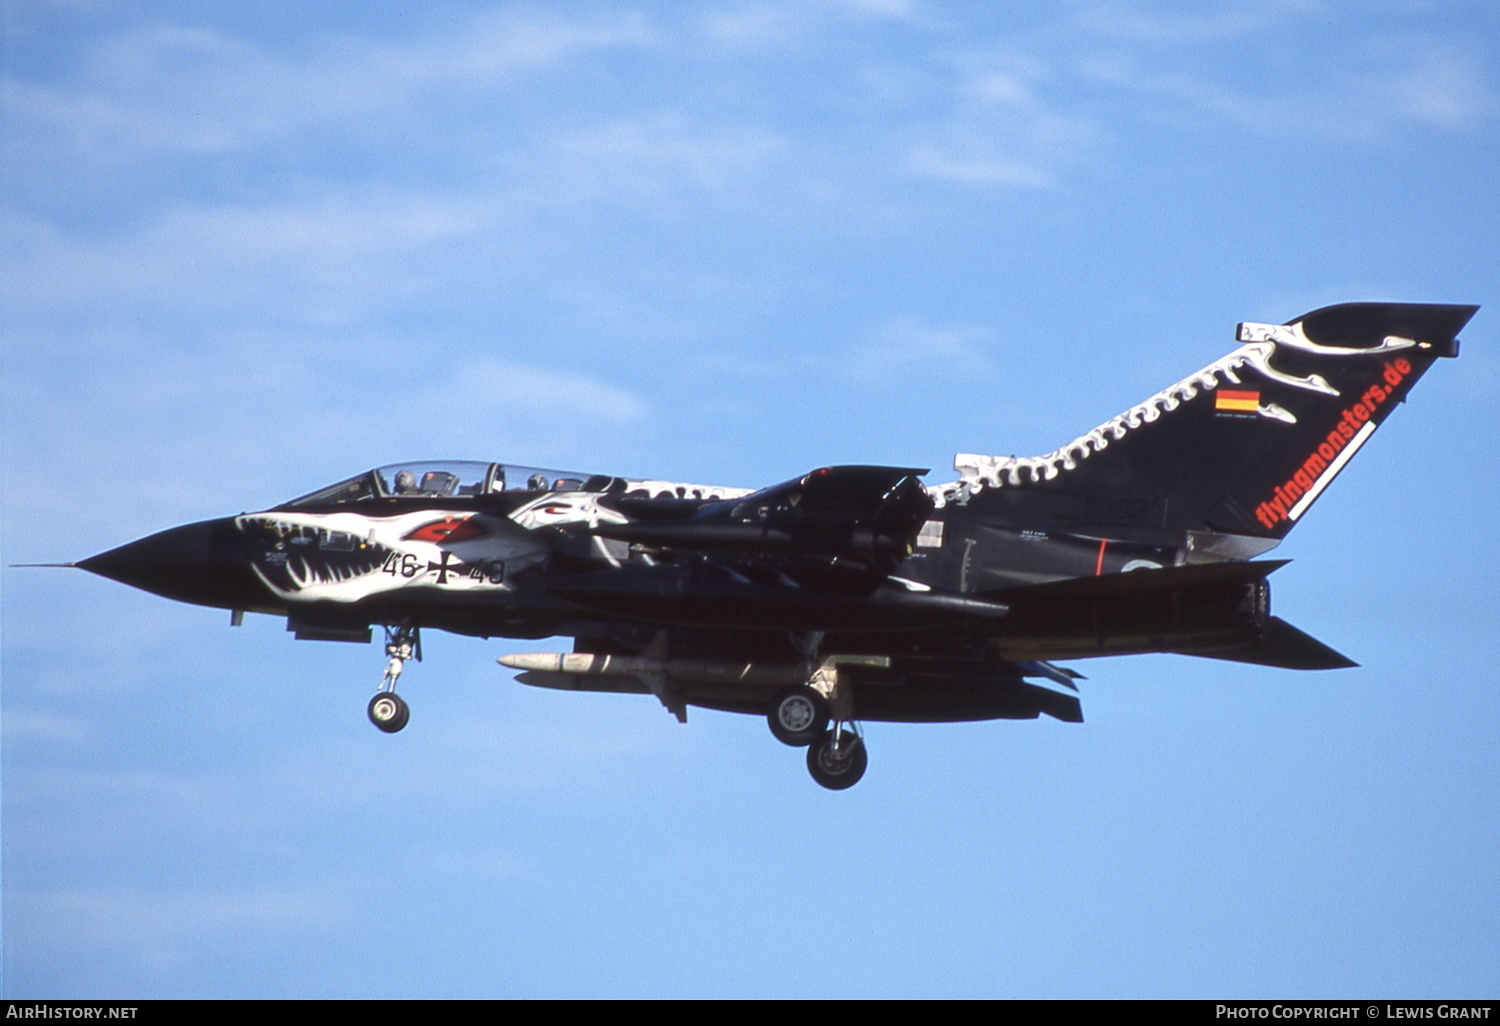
(998, 471)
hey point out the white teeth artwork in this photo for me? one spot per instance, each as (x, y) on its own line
(345, 557)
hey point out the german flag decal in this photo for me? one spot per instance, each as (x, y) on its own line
(1239, 402)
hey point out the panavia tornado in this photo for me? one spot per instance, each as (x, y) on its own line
(852, 593)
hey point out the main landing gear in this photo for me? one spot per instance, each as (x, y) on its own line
(799, 717)
(388, 710)
(838, 758)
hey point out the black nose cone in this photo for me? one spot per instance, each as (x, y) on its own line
(198, 563)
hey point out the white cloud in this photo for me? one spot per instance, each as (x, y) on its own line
(1138, 23)
(338, 256)
(21, 725)
(906, 349)
(490, 389)
(961, 166)
(749, 24)
(1002, 87)
(196, 90)
(1434, 86)
(1386, 90)
(756, 24)
(325, 260)
(1010, 123)
(1242, 64)
(160, 927)
(120, 786)
(660, 155)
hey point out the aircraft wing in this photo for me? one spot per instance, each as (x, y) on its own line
(1285, 646)
(1166, 602)
(1142, 583)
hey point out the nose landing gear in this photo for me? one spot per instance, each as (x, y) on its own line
(388, 710)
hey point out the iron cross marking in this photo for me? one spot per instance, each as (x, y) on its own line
(443, 569)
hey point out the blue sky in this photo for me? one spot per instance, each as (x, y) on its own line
(252, 251)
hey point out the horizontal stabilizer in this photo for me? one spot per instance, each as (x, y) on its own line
(1285, 646)
(1066, 708)
(1057, 674)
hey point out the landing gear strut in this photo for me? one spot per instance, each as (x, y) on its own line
(387, 710)
(799, 716)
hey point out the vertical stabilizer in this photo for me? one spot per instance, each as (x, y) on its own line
(1244, 446)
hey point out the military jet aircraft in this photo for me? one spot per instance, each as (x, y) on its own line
(850, 593)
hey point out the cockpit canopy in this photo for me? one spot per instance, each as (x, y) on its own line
(449, 479)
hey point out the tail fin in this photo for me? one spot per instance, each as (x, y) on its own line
(1244, 446)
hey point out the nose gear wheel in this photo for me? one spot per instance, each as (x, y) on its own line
(389, 711)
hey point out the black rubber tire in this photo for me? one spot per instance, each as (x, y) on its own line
(835, 772)
(388, 711)
(798, 716)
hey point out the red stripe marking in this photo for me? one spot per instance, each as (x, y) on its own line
(1099, 566)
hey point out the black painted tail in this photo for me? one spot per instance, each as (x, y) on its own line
(1244, 446)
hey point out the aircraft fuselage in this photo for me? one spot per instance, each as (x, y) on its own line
(855, 592)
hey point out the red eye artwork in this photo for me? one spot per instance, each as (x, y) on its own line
(447, 530)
